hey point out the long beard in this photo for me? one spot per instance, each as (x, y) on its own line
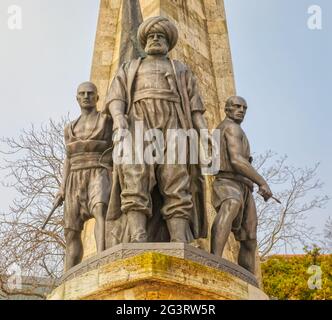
(163, 50)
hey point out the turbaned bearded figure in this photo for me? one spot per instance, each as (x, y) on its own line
(162, 94)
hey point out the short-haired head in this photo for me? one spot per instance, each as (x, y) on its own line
(87, 95)
(235, 108)
(87, 86)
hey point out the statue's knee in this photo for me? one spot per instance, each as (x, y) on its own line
(233, 206)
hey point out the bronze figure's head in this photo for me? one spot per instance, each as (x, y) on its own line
(157, 35)
(87, 95)
(236, 108)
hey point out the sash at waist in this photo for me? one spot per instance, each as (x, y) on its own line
(85, 160)
(86, 146)
(162, 94)
(236, 177)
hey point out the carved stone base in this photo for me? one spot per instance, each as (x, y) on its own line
(157, 271)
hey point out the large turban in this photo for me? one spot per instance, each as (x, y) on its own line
(158, 25)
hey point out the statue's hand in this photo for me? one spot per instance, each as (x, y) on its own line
(59, 198)
(265, 191)
(120, 122)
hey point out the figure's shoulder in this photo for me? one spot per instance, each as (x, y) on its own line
(67, 128)
(224, 123)
(128, 67)
(231, 127)
(131, 63)
(180, 66)
(69, 125)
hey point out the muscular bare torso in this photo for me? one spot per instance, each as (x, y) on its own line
(242, 147)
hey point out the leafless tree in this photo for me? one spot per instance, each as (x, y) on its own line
(299, 191)
(32, 166)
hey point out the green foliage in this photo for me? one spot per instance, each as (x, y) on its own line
(287, 277)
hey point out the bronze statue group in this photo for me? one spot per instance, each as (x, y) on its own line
(158, 202)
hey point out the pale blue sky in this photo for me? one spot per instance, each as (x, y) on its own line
(281, 67)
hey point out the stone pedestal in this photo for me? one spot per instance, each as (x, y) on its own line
(157, 271)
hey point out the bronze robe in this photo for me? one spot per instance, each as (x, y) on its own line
(121, 89)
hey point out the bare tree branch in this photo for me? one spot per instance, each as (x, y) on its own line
(280, 225)
(32, 166)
